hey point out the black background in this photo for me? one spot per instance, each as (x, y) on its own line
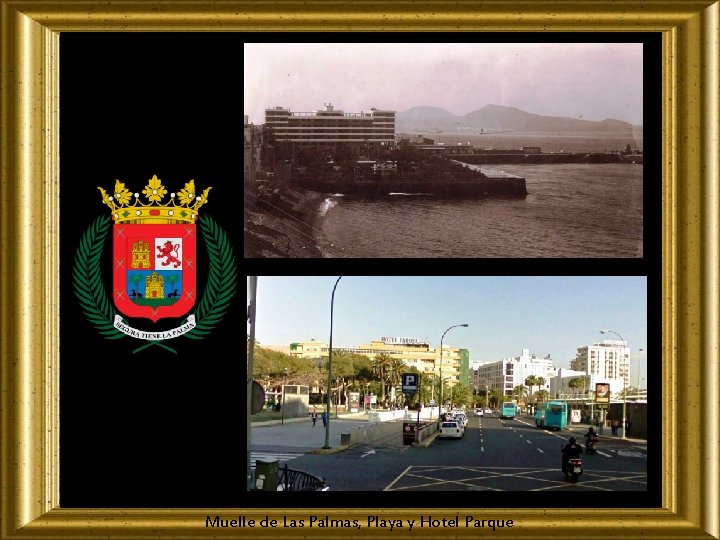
(155, 429)
(151, 429)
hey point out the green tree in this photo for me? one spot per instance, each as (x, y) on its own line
(542, 394)
(519, 392)
(540, 381)
(380, 364)
(460, 395)
(394, 375)
(530, 382)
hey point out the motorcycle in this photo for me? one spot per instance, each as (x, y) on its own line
(590, 447)
(573, 469)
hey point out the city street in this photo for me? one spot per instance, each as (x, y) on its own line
(494, 455)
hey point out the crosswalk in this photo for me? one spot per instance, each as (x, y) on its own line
(272, 456)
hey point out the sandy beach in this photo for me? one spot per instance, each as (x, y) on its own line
(287, 226)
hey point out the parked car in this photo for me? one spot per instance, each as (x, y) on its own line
(451, 429)
(460, 417)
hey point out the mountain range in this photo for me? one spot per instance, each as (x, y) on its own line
(498, 118)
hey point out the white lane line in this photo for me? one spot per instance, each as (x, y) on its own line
(482, 448)
(528, 441)
(539, 450)
(603, 454)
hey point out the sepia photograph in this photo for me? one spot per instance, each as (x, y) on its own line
(431, 150)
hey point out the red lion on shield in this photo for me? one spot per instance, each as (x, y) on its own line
(167, 250)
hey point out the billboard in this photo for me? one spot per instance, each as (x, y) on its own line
(602, 392)
(354, 401)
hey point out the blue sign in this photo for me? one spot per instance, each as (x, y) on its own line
(410, 382)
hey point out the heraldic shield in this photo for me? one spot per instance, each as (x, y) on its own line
(154, 269)
(154, 249)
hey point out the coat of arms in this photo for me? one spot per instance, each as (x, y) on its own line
(154, 264)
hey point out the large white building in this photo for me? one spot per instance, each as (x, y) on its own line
(510, 372)
(330, 126)
(607, 359)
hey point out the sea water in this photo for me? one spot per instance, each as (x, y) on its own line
(571, 210)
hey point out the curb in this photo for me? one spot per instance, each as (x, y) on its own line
(324, 451)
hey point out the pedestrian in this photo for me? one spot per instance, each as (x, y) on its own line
(628, 425)
(314, 417)
(324, 418)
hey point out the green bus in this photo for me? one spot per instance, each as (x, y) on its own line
(508, 409)
(551, 415)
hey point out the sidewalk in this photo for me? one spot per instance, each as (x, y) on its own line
(606, 433)
(344, 416)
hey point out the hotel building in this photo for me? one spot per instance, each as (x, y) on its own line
(412, 351)
(608, 359)
(510, 372)
(331, 126)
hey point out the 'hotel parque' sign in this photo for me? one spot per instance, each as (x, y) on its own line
(403, 341)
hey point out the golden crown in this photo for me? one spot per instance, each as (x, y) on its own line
(181, 208)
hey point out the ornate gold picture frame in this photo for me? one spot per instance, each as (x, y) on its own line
(29, 221)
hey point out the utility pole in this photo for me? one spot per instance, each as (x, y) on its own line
(249, 382)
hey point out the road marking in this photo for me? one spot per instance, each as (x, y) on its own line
(603, 454)
(521, 435)
(272, 456)
(482, 440)
(539, 450)
(528, 441)
(368, 453)
(482, 448)
(628, 453)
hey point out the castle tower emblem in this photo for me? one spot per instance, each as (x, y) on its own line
(154, 249)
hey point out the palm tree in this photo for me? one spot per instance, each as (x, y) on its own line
(380, 366)
(519, 391)
(394, 372)
(540, 381)
(530, 382)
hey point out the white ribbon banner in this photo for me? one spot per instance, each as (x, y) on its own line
(155, 336)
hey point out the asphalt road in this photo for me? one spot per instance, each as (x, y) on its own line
(494, 455)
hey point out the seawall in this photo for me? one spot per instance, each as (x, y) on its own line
(510, 186)
(541, 159)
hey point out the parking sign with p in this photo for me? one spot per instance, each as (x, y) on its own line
(410, 382)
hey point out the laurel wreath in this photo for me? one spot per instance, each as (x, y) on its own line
(95, 305)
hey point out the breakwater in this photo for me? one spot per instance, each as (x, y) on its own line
(504, 186)
(519, 158)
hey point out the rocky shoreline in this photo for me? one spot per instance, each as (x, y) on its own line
(285, 222)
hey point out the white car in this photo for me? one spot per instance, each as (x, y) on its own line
(460, 417)
(478, 412)
(488, 411)
(451, 429)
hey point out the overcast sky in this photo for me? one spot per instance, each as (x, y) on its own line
(582, 80)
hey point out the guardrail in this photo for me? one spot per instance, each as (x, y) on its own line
(292, 480)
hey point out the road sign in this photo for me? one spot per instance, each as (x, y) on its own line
(410, 382)
(432, 402)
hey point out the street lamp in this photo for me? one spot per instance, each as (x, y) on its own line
(282, 405)
(441, 359)
(329, 386)
(624, 409)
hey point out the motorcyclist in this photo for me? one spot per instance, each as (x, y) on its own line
(591, 438)
(569, 451)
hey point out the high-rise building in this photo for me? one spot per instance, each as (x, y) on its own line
(330, 126)
(608, 359)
